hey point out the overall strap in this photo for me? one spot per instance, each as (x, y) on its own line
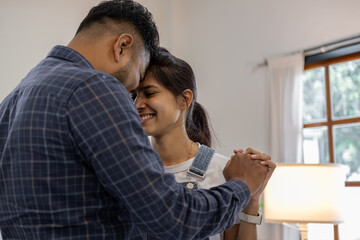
(201, 161)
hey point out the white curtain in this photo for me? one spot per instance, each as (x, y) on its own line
(285, 79)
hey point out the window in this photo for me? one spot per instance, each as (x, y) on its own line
(331, 132)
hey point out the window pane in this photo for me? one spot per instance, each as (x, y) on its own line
(345, 89)
(350, 230)
(315, 145)
(347, 148)
(314, 96)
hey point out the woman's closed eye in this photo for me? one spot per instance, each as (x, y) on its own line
(149, 94)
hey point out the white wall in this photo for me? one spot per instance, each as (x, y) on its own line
(222, 40)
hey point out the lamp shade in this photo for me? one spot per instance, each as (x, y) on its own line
(305, 193)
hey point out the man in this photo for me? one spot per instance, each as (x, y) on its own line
(75, 161)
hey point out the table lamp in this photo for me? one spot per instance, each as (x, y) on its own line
(305, 193)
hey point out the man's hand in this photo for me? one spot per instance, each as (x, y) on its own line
(264, 160)
(242, 167)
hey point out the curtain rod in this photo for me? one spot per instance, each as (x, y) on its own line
(332, 46)
(322, 48)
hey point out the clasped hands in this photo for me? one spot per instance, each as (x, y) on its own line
(252, 167)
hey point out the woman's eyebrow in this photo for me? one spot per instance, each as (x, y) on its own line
(143, 88)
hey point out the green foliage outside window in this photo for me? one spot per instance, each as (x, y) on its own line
(345, 89)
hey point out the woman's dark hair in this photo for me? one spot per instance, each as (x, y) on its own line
(176, 75)
(128, 11)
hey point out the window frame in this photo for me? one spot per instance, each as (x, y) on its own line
(329, 121)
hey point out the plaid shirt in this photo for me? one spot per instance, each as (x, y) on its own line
(76, 164)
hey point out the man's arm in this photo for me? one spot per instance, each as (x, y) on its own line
(117, 148)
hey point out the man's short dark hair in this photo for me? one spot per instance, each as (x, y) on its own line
(126, 11)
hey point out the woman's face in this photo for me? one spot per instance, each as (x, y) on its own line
(157, 107)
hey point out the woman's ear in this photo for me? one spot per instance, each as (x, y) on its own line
(122, 44)
(187, 97)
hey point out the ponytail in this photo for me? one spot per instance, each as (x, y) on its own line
(197, 125)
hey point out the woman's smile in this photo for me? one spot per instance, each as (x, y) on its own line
(146, 117)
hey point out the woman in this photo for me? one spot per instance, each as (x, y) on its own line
(179, 131)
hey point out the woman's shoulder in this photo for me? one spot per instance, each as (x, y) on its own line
(219, 160)
(214, 171)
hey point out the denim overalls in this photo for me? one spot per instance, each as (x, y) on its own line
(198, 168)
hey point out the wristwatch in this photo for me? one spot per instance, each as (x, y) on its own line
(250, 218)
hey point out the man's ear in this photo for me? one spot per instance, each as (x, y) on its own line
(187, 97)
(123, 43)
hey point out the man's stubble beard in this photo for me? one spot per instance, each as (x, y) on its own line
(123, 75)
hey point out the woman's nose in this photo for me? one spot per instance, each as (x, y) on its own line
(139, 102)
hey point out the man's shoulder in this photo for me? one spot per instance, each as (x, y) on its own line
(59, 71)
(65, 69)
(63, 78)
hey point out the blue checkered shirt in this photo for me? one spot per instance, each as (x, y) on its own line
(76, 164)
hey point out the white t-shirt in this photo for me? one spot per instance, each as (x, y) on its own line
(213, 176)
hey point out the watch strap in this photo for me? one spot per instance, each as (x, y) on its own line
(250, 218)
